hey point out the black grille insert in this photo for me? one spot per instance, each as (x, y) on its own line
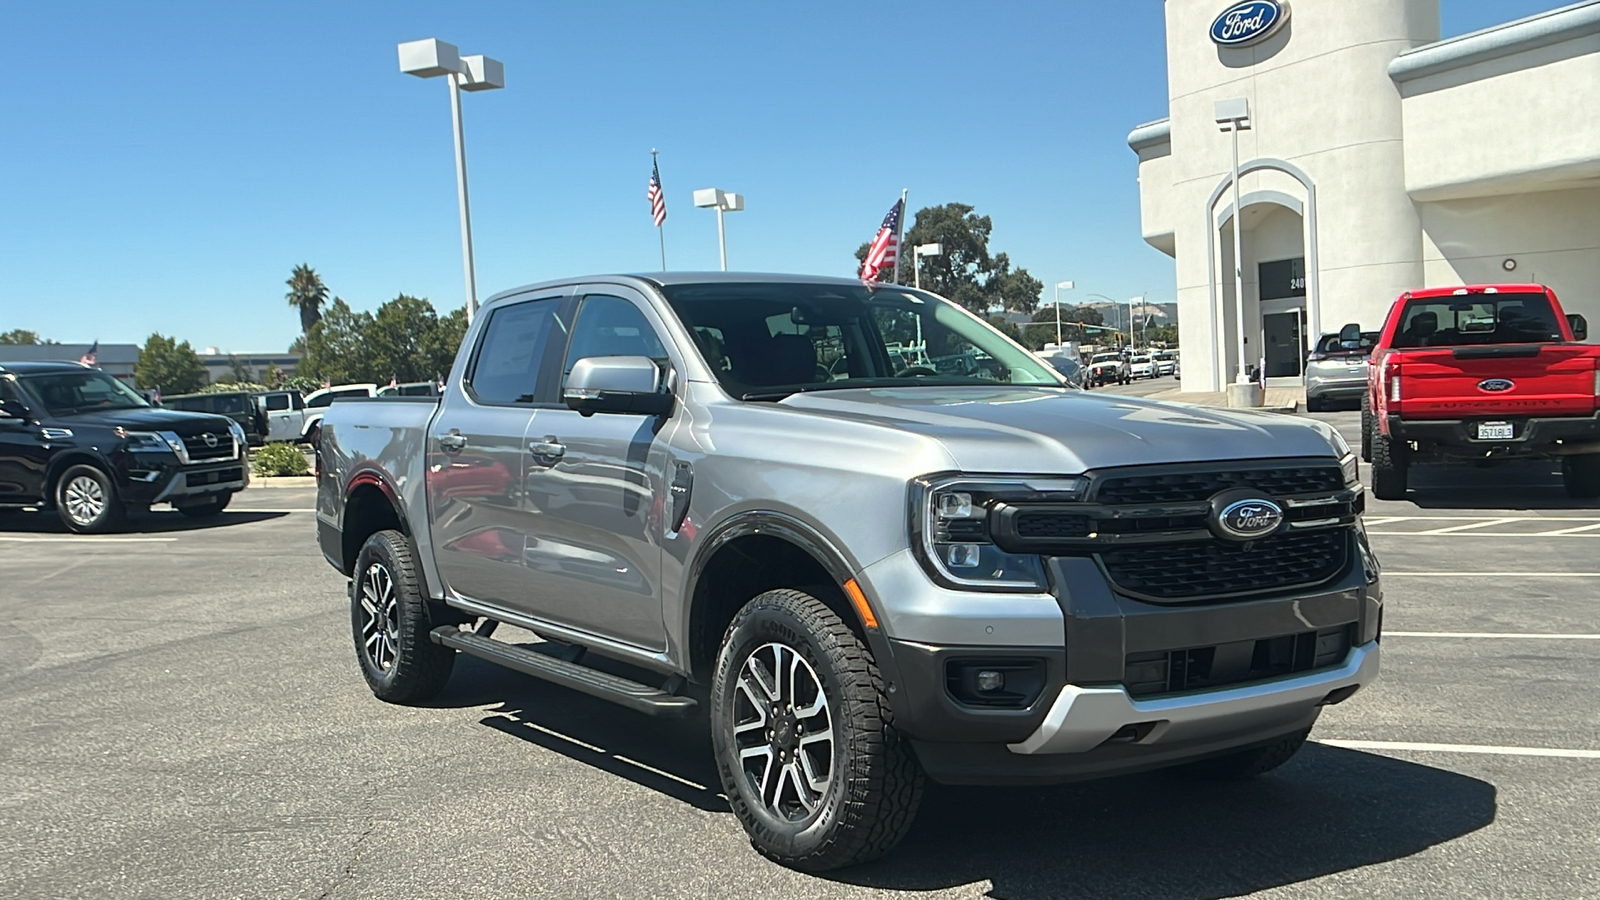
(1192, 487)
(199, 449)
(1193, 570)
(1240, 662)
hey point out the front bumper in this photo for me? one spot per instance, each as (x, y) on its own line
(1081, 721)
(1531, 436)
(146, 481)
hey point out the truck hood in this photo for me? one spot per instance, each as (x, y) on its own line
(1024, 429)
(176, 421)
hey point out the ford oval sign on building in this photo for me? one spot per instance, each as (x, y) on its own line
(1243, 24)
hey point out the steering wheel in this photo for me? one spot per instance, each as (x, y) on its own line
(909, 371)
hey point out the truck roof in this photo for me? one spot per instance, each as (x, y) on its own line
(1429, 293)
(659, 279)
(27, 368)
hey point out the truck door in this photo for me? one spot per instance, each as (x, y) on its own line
(476, 460)
(596, 486)
(285, 410)
(23, 454)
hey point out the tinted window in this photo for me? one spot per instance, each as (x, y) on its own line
(611, 326)
(277, 402)
(514, 344)
(319, 401)
(1477, 319)
(66, 393)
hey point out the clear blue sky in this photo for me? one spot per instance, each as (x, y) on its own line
(166, 164)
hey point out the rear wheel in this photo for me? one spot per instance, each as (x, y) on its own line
(1247, 763)
(87, 501)
(805, 743)
(390, 623)
(1391, 465)
(1367, 424)
(1581, 475)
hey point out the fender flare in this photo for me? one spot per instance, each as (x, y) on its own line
(372, 477)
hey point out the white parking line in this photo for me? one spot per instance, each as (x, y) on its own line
(1455, 528)
(1528, 636)
(1388, 519)
(1491, 574)
(1580, 528)
(1493, 534)
(1463, 748)
(83, 539)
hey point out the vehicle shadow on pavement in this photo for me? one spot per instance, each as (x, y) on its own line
(42, 522)
(1511, 486)
(1158, 835)
(669, 756)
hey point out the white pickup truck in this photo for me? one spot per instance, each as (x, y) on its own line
(291, 418)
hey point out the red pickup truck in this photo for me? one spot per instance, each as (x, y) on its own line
(1482, 373)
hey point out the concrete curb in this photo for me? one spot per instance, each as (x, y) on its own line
(283, 481)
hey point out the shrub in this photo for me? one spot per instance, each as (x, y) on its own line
(280, 458)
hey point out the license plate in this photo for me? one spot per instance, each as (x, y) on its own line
(1496, 431)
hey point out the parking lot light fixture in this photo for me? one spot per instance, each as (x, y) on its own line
(1233, 116)
(432, 58)
(1059, 286)
(917, 253)
(723, 202)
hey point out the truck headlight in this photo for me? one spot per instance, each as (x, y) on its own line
(950, 528)
(239, 440)
(151, 441)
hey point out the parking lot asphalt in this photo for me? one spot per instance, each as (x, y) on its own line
(181, 716)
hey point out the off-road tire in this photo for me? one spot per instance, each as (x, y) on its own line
(1391, 465)
(1368, 425)
(417, 668)
(875, 782)
(210, 507)
(70, 494)
(1246, 763)
(1581, 475)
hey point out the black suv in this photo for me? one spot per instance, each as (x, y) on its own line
(78, 440)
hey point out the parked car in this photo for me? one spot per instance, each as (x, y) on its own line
(410, 389)
(1336, 369)
(877, 575)
(1141, 366)
(239, 406)
(1069, 367)
(285, 412)
(317, 403)
(1166, 362)
(1108, 368)
(1482, 373)
(79, 441)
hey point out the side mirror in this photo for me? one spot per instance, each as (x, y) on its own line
(1351, 332)
(1580, 326)
(13, 409)
(616, 384)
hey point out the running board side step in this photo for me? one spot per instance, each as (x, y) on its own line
(621, 691)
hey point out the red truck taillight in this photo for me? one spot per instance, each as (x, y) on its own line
(1391, 375)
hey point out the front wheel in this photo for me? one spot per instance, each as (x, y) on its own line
(87, 501)
(1581, 475)
(390, 623)
(805, 743)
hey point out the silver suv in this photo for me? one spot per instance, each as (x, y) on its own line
(724, 496)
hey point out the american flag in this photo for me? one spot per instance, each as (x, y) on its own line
(885, 250)
(91, 356)
(658, 203)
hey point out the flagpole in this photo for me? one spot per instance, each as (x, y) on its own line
(661, 230)
(900, 250)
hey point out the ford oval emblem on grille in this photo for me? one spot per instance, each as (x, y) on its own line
(1496, 385)
(209, 438)
(1248, 520)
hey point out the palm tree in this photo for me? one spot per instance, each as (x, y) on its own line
(308, 294)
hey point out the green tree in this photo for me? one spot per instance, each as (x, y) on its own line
(308, 294)
(22, 337)
(166, 364)
(336, 348)
(965, 272)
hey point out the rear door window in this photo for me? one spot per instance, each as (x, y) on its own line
(512, 362)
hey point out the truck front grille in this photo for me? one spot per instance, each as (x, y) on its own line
(201, 451)
(1194, 570)
(1191, 487)
(1241, 662)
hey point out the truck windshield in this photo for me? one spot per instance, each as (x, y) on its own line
(766, 341)
(1459, 320)
(66, 393)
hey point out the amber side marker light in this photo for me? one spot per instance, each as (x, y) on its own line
(859, 600)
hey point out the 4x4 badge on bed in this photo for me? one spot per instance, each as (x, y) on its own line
(1496, 385)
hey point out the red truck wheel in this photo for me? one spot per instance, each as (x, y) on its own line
(1391, 464)
(1581, 475)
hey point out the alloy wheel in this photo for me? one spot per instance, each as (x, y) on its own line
(783, 731)
(380, 624)
(85, 499)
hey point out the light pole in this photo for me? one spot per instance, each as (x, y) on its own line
(917, 253)
(1131, 301)
(429, 59)
(1233, 116)
(722, 202)
(1116, 306)
(1059, 285)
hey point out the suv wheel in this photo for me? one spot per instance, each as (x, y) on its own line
(209, 507)
(87, 500)
(805, 744)
(390, 623)
(1246, 763)
(1391, 464)
(1581, 475)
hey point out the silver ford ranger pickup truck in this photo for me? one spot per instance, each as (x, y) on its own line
(722, 495)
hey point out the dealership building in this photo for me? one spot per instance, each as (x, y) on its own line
(1374, 158)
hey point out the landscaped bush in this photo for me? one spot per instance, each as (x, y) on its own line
(280, 458)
